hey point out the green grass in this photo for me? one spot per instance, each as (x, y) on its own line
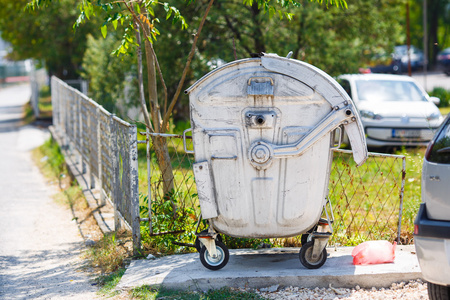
(109, 282)
(51, 160)
(444, 110)
(28, 117)
(146, 292)
(45, 103)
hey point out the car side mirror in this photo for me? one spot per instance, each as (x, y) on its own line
(435, 100)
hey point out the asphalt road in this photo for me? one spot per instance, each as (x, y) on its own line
(39, 244)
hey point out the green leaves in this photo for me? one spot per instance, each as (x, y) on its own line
(176, 15)
(280, 7)
(104, 30)
(36, 4)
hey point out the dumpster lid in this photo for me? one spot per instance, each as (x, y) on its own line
(317, 80)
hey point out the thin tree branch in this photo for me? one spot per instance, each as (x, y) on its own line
(187, 66)
(152, 50)
(140, 79)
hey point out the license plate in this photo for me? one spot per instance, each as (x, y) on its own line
(405, 133)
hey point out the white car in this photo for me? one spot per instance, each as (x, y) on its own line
(394, 109)
(432, 224)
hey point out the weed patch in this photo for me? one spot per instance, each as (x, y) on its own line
(110, 253)
(50, 160)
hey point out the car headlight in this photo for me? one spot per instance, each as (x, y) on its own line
(370, 115)
(433, 116)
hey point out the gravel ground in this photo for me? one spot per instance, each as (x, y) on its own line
(415, 289)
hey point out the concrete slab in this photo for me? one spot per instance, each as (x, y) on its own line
(267, 267)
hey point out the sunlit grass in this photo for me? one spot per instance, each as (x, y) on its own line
(444, 110)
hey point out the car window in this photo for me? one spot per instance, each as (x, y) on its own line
(440, 151)
(346, 86)
(387, 90)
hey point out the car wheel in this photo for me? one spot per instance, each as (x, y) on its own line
(396, 70)
(438, 292)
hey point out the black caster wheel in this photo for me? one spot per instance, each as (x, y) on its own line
(199, 245)
(304, 238)
(218, 262)
(306, 256)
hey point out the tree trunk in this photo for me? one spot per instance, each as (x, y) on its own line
(258, 36)
(159, 143)
(141, 79)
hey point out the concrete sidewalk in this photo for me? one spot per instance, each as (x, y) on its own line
(268, 267)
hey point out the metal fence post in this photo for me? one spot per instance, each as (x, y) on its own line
(63, 116)
(116, 171)
(84, 86)
(99, 156)
(149, 181)
(402, 191)
(134, 188)
(54, 101)
(92, 143)
(80, 139)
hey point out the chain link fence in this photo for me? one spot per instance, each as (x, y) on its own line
(107, 151)
(366, 201)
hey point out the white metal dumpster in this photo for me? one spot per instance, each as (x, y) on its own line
(262, 131)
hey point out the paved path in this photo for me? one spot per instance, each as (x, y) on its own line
(39, 244)
(432, 80)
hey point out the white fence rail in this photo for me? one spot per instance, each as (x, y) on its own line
(107, 147)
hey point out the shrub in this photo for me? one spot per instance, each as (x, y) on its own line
(442, 94)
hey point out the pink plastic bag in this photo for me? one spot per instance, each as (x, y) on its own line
(374, 252)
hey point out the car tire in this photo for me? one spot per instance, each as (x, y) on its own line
(438, 292)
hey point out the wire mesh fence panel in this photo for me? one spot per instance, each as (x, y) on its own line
(123, 167)
(84, 130)
(174, 201)
(105, 152)
(366, 200)
(126, 186)
(93, 140)
(107, 144)
(68, 128)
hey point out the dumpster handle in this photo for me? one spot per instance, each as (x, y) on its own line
(254, 78)
(338, 145)
(261, 153)
(335, 118)
(184, 141)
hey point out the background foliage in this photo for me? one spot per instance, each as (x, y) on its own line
(46, 37)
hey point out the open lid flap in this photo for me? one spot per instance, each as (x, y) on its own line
(330, 90)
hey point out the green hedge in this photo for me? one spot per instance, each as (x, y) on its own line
(442, 94)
